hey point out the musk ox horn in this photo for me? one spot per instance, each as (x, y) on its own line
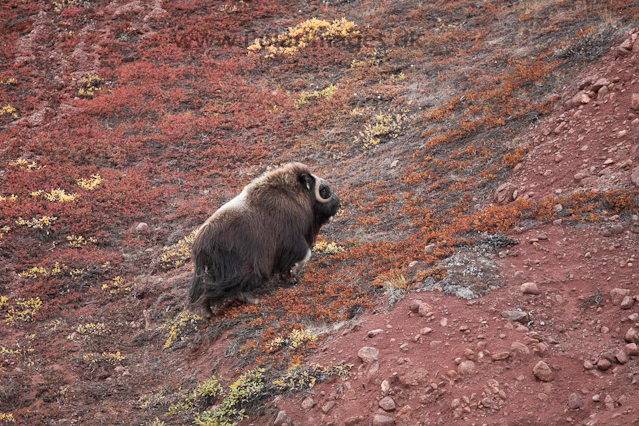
(319, 183)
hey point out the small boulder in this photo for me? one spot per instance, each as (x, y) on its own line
(308, 403)
(634, 176)
(387, 404)
(519, 348)
(627, 302)
(530, 288)
(609, 402)
(381, 420)
(621, 356)
(424, 309)
(599, 84)
(632, 349)
(282, 419)
(368, 355)
(603, 93)
(574, 401)
(632, 336)
(328, 406)
(504, 193)
(466, 367)
(518, 316)
(617, 295)
(375, 332)
(354, 420)
(498, 356)
(543, 372)
(603, 364)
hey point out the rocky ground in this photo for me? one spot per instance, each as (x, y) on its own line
(558, 343)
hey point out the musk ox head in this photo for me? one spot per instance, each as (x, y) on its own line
(269, 228)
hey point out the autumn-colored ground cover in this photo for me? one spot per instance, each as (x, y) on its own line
(117, 113)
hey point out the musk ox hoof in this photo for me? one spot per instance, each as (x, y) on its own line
(248, 298)
(207, 313)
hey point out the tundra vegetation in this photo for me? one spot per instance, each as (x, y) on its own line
(112, 116)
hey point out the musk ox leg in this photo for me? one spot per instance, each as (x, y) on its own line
(297, 268)
(205, 307)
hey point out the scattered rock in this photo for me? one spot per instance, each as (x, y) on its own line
(579, 99)
(603, 93)
(424, 309)
(504, 193)
(588, 365)
(610, 403)
(617, 295)
(469, 353)
(355, 420)
(627, 302)
(600, 84)
(381, 420)
(500, 356)
(368, 355)
(425, 330)
(581, 175)
(308, 403)
(634, 177)
(328, 407)
(634, 101)
(632, 336)
(375, 332)
(281, 419)
(142, 228)
(632, 349)
(519, 348)
(466, 367)
(559, 128)
(621, 356)
(540, 349)
(558, 158)
(414, 305)
(543, 372)
(387, 404)
(603, 364)
(452, 375)
(530, 288)
(518, 316)
(574, 401)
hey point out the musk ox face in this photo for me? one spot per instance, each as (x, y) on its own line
(269, 228)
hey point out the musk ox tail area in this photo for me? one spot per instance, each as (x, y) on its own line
(198, 286)
(221, 275)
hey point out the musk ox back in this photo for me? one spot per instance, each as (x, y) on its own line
(269, 228)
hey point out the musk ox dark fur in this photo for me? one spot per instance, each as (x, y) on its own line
(268, 229)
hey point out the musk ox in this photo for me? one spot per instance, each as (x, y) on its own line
(269, 228)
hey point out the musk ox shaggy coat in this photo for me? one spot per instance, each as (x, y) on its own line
(269, 228)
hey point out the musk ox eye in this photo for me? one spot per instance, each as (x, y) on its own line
(325, 192)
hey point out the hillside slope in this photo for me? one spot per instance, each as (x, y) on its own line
(474, 148)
